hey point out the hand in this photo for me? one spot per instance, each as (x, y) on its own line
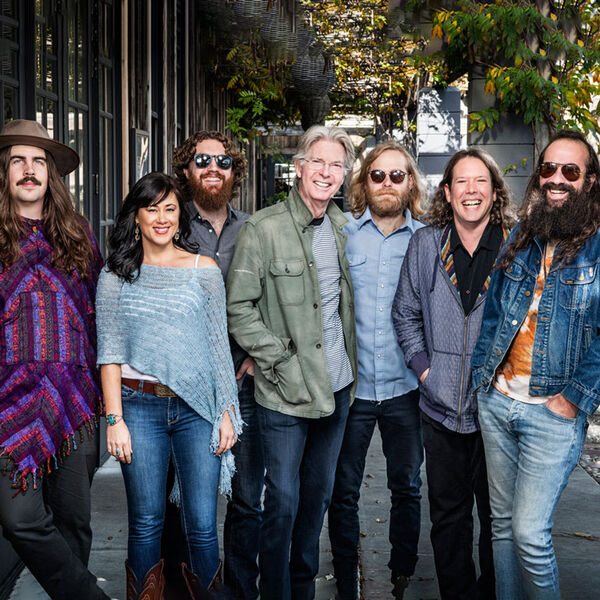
(424, 375)
(227, 437)
(561, 406)
(247, 366)
(118, 438)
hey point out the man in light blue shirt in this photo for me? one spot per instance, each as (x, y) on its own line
(385, 200)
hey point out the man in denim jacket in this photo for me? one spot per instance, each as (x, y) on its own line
(537, 362)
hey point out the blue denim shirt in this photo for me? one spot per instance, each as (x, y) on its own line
(375, 260)
(566, 349)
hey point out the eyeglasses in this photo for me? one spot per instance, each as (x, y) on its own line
(378, 176)
(223, 161)
(317, 164)
(570, 171)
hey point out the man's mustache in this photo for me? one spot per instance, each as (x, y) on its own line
(561, 187)
(28, 179)
(212, 175)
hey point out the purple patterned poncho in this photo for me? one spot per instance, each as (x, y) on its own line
(49, 386)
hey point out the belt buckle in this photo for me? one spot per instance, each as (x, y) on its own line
(162, 391)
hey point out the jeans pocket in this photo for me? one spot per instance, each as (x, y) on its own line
(557, 417)
(127, 392)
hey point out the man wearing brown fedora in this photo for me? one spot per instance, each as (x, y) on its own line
(49, 392)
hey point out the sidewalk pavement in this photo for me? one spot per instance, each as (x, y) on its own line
(576, 536)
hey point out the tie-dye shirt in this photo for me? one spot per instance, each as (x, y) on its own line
(512, 378)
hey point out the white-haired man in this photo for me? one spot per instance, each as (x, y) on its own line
(290, 306)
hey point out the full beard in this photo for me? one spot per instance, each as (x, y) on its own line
(559, 223)
(388, 203)
(210, 199)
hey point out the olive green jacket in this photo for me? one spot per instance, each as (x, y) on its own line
(274, 307)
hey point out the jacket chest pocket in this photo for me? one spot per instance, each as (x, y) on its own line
(288, 279)
(577, 286)
(42, 328)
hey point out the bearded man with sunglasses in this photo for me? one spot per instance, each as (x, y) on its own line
(536, 364)
(211, 168)
(385, 200)
(437, 313)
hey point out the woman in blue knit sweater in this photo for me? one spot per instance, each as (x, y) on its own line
(168, 381)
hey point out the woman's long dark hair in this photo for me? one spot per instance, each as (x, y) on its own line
(127, 253)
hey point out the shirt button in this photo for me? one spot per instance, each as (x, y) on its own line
(384, 262)
(380, 309)
(210, 230)
(379, 356)
(382, 285)
(514, 322)
(318, 345)
(216, 253)
(467, 291)
(381, 332)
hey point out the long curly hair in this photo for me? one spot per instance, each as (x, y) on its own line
(184, 154)
(567, 248)
(502, 213)
(128, 253)
(66, 231)
(357, 192)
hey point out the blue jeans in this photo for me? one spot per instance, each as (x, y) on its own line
(241, 534)
(300, 458)
(161, 428)
(530, 453)
(399, 421)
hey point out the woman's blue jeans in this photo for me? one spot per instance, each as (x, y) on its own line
(530, 452)
(160, 428)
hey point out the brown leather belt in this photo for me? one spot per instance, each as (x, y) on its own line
(158, 389)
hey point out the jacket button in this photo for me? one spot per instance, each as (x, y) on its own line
(498, 352)
(485, 382)
(509, 270)
(310, 264)
(318, 345)
(513, 322)
(315, 305)
(528, 293)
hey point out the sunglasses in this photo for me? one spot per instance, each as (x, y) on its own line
(570, 171)
(223, 161)
(378, 176)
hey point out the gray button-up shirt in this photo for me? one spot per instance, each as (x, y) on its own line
(221, 248)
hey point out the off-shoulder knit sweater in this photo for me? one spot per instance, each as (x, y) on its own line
(171, 323)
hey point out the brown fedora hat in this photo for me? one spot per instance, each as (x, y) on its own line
(31, 133)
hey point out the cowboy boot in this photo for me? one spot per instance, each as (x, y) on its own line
(216, 583)
(153, 585)
(154, 582)
(195, 587)
(132, 583)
